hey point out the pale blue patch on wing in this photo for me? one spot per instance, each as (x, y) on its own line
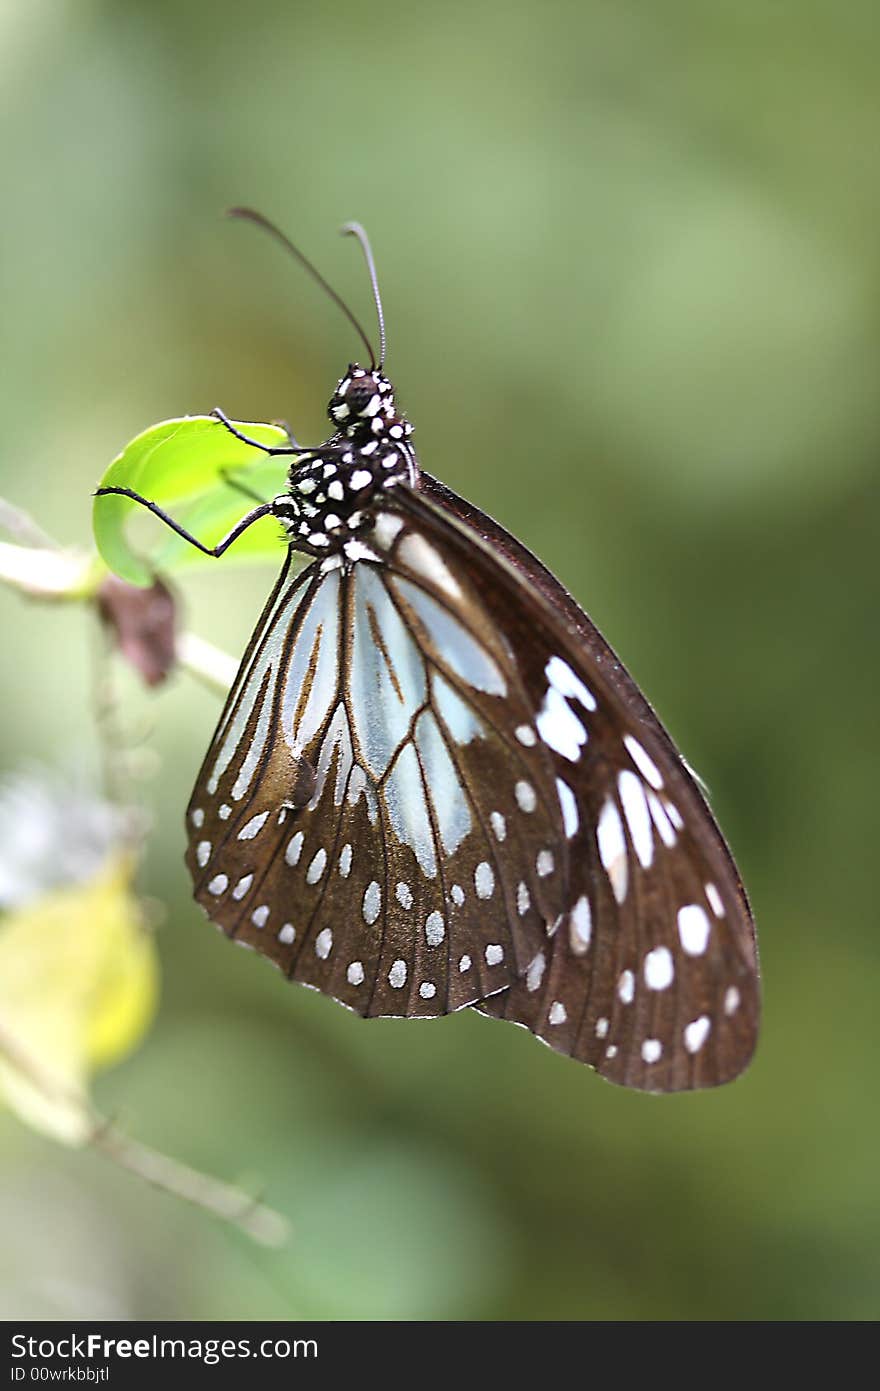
(448, 798)
(279, 619)
(404, 795)
(453, 643)
(387, 676)
(461, 721)
(267, 659)
(315, 651)
(337, 738)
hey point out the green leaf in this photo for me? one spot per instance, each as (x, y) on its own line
(178, 464)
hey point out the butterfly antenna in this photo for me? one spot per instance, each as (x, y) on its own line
(250, 215)
(354, 229)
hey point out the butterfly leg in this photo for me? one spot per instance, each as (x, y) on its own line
(264, 510)
(291, 448)
(292, 439)
(228, 476)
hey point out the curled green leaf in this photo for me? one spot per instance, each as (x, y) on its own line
(189, 467)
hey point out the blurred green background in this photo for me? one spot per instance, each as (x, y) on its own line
(630, 262)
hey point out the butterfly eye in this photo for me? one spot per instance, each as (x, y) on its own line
(357, 398)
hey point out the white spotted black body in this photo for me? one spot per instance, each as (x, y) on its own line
(333, 492)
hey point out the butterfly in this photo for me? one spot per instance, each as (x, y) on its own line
(434, 785)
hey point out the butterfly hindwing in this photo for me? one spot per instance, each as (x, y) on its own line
(650, 972)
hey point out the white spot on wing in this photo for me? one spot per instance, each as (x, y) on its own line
(397, 975)
(317, 866)
(427, 990)
(558, 1013)
(626, 987)
(568, 803)
(203, 853)
(659, 969)
(545, 863)
(434, 929)
(355, 973)
(535, 973)
(638, 818)
(324, 943)
(494, 954)
(260, 916)
(645, 765)
(484, 880)
(652, 1050)
(526, 799)
(696, 1033)
(665, 829)
(294, 849)
(372, 903)
(218, 885)
(714, 900)
(567, 683)
(612, 849)
(581, 926)
(287, 933)
(674, 814)
(560, 727)
(693, 929)
(242, 886)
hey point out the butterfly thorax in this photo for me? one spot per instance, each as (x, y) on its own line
(335, 490)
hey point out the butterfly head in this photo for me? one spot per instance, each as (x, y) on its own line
(362, 406)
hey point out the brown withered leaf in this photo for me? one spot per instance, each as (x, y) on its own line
(143, 623)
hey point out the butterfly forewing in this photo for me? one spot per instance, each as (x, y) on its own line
(376, 812)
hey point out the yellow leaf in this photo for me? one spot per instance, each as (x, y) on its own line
(78, 988)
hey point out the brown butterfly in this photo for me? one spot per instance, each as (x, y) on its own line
(434, 785)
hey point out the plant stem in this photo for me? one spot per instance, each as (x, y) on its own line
(261, 1223)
